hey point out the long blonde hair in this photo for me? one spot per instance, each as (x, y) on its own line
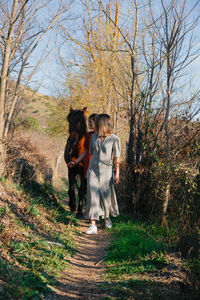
(103, 125)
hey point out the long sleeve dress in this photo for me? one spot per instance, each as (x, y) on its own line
(88, 155)
(101, 196)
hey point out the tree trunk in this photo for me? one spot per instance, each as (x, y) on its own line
(2, 148)
(3, 81)
(165, 204)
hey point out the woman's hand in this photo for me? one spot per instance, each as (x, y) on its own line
(117, 170)
(71, 164)
(116, 178)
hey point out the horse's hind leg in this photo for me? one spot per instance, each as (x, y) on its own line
(71, 191)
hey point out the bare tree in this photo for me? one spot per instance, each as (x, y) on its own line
(157, 66)
(175, 33)
(175, 36)
(98, 35)
(22, 28)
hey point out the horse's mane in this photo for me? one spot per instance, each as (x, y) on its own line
(74, 117)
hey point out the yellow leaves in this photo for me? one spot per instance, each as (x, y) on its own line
(79, 43)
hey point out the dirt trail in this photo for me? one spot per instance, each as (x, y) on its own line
(83, 279)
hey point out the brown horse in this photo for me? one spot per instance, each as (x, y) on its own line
(73, 149)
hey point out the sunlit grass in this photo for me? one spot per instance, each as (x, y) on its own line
(134, 249)
(138, 253)
(42, 241)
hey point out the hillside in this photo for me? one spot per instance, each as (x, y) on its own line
(35, 116)
(36, 230)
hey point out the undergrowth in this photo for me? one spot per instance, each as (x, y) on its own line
(36, 239)
(134, 249)
(140, 263)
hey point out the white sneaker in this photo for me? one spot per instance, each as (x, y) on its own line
(108, 223)
(92, 229)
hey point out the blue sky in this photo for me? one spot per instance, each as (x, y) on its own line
(50, 77)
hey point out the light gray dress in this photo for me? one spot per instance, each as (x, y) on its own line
(101, 197)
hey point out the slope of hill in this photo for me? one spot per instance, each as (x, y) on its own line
(35, 118)
(36, 230)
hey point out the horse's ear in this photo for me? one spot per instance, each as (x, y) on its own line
(70, 108)
(84, 110)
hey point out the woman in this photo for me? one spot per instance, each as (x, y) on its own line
(101, 197)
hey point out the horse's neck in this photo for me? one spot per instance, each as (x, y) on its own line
(72, 142)
(75, 142)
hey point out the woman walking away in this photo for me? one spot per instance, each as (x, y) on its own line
(101, 197)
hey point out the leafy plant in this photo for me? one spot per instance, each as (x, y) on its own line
(31, 123)
(33, 211)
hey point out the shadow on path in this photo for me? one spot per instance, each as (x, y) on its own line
(83, 279)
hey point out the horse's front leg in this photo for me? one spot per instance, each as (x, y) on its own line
(81, 194)
(71, 191)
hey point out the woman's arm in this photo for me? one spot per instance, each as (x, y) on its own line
(72, 164)
(117, 170)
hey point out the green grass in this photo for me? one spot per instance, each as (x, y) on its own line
(43, 256)
(33, 211)
(136, 251)
(132, 241)
(140, 265)
(31, 123)
(23, 284)
(2, 211)
(45, 195)
(36, 257)
(138, 289)
(37, 262)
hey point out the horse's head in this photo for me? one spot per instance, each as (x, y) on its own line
(77, 122)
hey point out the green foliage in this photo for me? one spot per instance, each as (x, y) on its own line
(185, 201)
(33, 211)
(137, 260)
(134, 249)
(1, 227)
(169, 236)
(31, 123)
(133, 241)
(44, 195)
(2, 211)
(36, 257)
(2, 179)
(194, 266)
(21, 284)
(56, 126)
(17, 247)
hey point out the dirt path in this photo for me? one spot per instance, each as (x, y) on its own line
(83, 279)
